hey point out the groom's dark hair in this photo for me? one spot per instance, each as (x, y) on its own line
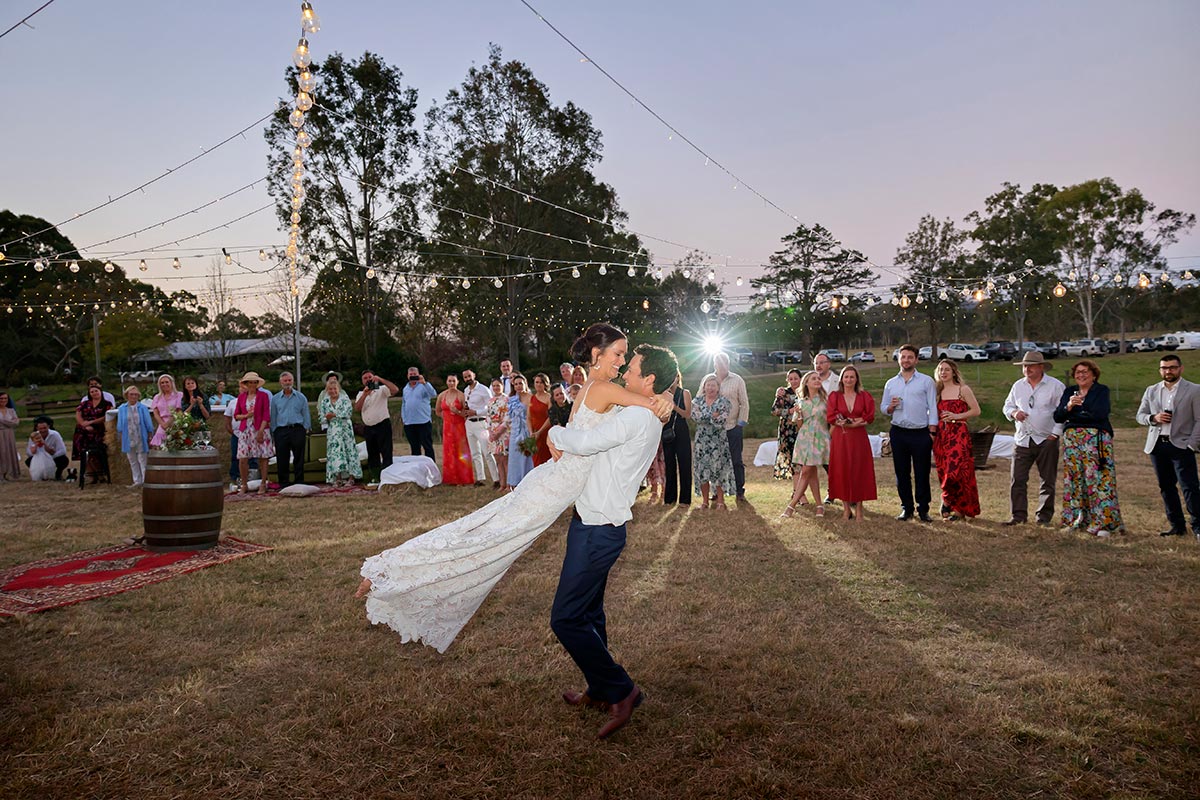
(659, 362)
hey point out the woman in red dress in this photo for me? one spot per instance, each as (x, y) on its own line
(539, 417)
(952, 450)
(456, 454)
(851, 463)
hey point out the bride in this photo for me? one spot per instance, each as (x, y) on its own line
(429, 587)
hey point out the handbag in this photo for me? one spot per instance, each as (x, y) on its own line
(668, 431)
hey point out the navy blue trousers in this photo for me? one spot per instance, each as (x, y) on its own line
(912, 454)
(577, 618)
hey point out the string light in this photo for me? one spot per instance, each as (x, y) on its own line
(301, 57)
(575, 272)
(603, 270)
(175, 263)
(142, 265)
(73, 266)
(738, 281)
(1060, 290)
(631, 272)
(499, 284)
(371, 274)
(108, 266)
(545, 277)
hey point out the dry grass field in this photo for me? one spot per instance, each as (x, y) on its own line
(782, 659)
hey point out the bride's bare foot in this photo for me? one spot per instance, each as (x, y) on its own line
(363, 588)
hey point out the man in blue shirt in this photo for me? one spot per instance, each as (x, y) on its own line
(417, 414)
(910, 399)
(291, 421)
(221, 398)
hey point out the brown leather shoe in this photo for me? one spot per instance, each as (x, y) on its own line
(620, 714)
(574, 698)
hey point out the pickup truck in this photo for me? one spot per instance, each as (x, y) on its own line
(965, 352)
(1083, 347)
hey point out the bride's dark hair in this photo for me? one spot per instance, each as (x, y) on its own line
(601, 335)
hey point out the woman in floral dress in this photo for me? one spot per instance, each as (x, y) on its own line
(519, 463)
(1090, 473)
(497, 417)
(252, 422)
(712, 468)
(89, 429)
(785, 399)
(952, 449)
(811, 450)
(334, 409)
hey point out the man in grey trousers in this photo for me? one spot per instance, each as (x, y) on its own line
(1030, 404)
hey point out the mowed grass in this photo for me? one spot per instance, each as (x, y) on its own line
(782, 658)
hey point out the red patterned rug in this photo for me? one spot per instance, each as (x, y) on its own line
(55, 582)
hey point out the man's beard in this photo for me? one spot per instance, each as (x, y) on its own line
(1172, 378)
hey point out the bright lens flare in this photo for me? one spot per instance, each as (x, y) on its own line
(713, 345)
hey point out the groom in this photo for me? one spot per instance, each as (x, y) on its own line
(623, 447)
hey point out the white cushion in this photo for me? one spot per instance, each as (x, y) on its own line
(299, 490)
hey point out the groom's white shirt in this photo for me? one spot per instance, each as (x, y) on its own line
(623, 447)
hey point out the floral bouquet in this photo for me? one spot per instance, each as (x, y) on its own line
(186, 432)
(528, 445)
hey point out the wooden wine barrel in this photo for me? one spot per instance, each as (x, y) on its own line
(182, 499)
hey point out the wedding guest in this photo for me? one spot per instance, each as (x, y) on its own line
(372, 404)
(713, 469)
(194, 402)
(45, 439)
(456, 455)
(578, 376)
(95, 381)
(89, 432)
(573, 394)
(10, 461)
(335, 411)
(539, 416)
(133, 428)
(519, 461)
(234, 473)
(506, 373)
(677, 450)
(291, 420)
(810, 451)
(733, 389)
(165, 403)
(1171, 409)
(910, 399)
(1090, 474)
(477, 398)
(497, 417)
(560, 408)
(220, 397)
(252, 420)
(829, 378)
(565, 371)
(1030, 404)
(952, 449)
(785, 399)
(849, 411)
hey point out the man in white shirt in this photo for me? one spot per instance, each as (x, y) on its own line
(1171, 409)
(829, 378)
(622, 449)
(478, 396)
(910, 399)
(95, 381)
(1030, 404)
(733, 389)
(565, 371)
(46, 438)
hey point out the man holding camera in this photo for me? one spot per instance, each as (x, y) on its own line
(372, 404)
(417, 414)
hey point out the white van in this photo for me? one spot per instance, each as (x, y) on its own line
(1188, 340)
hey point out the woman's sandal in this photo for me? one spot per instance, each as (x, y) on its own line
(788, 512)
(820, 510)
(720, 506)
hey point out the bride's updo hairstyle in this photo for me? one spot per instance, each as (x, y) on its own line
(601, 335)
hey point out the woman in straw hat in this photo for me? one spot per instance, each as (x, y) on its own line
(251, 422)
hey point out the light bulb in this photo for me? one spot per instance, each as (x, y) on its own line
(1143, 281)
(73, 266)
(262, 255)
(658, 273)
(175, 263)
(298, 191)
(739, 280)
(631, 272)
(295, 217)
(603, 270)
(1117, 278)
(309, 19)
(301, 57)
(370, 273)
(1029, 262)
(303, 139)
(895, 300)
(1187, 276)
(920, 299)
(833, 303)
(499, 284)
(687, 273)
(306, 82)
(142, 265)
(228, 259)
(705, 307)
(337, 266)
(1072, 275)
(905, 302)
(545, 277)
(942, 295)
(466, 284)
(108, 266)
(41, 265)
(712, 274)
(645, 305)
(1164, 277)
(298, 153)
(296, 118)
(1060, 290)
(297, 202)
(304, 101)
(979, 295)
(433, 281)
(575, 272)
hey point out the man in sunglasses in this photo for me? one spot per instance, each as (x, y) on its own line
(1030, 404)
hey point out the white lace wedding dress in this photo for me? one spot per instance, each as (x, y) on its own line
(428, 588)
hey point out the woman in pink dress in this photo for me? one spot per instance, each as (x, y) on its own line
(168, 400)
(252, 422)
(456, 453)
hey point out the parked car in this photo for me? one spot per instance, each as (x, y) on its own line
(965, 352)
(925, 353)
(1112, 346)
(1167, 342)
(785, 357)
(1048, 349)
(865, 355)
(1147, 345)
(1000, 350)
(744, 355)
(1098, 347)
(1082, 348)
(833, 354)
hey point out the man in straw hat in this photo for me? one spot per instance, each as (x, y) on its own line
(1030, 404)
